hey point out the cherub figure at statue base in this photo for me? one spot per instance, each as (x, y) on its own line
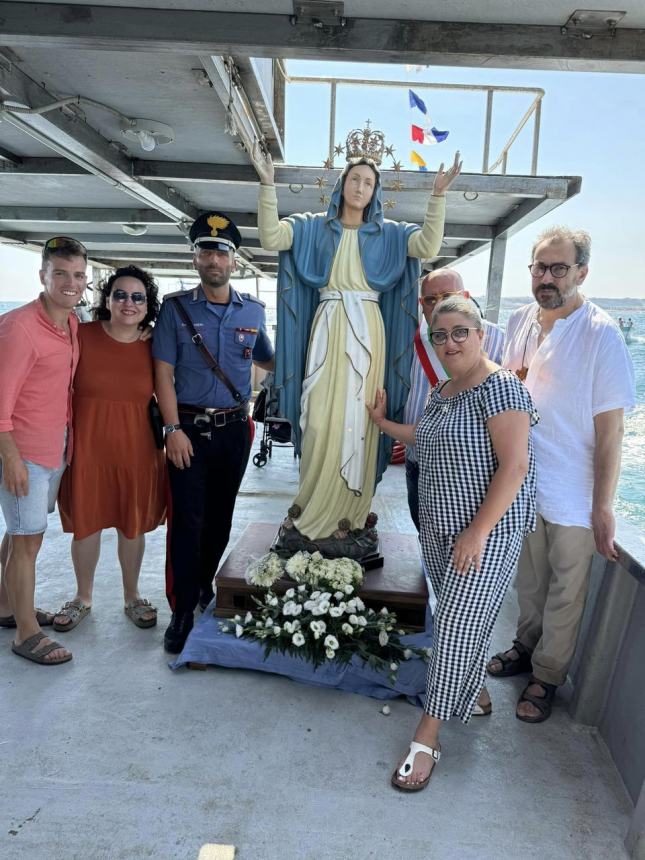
(360, 544)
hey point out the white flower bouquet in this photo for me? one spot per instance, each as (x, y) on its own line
(321, 617)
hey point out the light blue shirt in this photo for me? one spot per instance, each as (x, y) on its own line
(235, 335)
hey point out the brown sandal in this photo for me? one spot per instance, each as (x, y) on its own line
(137, 609)
(44, 619)
(29, 651)
(75, 611)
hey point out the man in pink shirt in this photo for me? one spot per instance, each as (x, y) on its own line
(38, 357)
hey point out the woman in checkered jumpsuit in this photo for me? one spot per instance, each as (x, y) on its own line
(476, 503)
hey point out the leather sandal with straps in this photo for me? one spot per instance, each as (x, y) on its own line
(75, 612)
(30, 650)
(511, 665)
(137, 609)
(408, 766)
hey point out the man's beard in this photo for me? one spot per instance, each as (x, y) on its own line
(550, 297)
(213, 279)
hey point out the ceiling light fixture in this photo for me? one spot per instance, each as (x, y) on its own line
(148, 133)
(134, 229)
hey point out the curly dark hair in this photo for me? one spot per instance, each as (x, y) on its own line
(101, 311)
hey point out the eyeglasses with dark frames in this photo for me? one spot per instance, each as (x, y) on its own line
(558, 270)
(459, 334)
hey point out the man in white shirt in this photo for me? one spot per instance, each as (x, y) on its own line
(426, 369)
(576, 366)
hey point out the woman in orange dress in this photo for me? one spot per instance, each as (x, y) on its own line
(116, 479)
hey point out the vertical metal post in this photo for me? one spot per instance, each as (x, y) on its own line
(332, 121)
(537, 116)
(495, 276)
(489, 119)
(504, 161)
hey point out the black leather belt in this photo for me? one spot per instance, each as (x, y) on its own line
(204, 415)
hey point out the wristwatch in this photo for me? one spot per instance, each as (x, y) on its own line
(170, 428)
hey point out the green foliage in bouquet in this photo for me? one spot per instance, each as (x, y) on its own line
(321, 617)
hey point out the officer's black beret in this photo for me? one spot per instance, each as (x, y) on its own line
(215, 230)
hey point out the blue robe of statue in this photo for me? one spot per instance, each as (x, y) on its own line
(305, 269)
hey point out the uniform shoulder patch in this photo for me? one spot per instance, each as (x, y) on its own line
(176, 294)
(250, 297)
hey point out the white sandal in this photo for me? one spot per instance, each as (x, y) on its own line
(408, 766)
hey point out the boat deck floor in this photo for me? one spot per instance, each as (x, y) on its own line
(115, 757)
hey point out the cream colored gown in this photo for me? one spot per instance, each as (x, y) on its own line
(345, 366)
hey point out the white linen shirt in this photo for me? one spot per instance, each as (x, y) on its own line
(581, 368)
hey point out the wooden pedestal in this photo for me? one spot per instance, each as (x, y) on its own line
(399, 584)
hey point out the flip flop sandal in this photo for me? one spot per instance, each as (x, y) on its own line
(137, 609)
(542, 703)
(482, 710)
(73, 610)
(408, 766)
(29, 651)
(511, 666)
(45, 619)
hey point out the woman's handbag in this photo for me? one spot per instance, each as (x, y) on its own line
(156, 421)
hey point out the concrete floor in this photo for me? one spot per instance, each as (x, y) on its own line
(115, 756)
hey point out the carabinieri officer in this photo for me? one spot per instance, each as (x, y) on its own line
(203, 395)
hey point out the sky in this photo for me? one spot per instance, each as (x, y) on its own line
(593, 126)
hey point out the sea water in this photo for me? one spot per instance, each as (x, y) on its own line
(631, 489)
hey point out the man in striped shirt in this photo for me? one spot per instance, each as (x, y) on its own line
(426, 369)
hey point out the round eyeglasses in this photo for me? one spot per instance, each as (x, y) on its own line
(558, 270)
(458, 335)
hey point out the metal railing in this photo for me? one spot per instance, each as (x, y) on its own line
(534, 110)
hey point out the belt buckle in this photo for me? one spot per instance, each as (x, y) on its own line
(201, 419)
(216, 416)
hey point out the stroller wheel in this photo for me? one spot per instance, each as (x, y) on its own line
(260, 460)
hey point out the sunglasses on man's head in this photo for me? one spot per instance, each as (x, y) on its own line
(430, 301)
(121, 296)
(66, 243)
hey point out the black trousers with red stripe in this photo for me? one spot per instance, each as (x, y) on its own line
(200, 509)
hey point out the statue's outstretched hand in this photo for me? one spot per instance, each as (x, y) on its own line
(444, 179)
(378, 410)
(263, 164)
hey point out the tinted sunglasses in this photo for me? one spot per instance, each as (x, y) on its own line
(121, 296)
(60, 243)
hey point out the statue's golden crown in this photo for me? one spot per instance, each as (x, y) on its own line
(365, 143)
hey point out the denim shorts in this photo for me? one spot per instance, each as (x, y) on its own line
(27, 515)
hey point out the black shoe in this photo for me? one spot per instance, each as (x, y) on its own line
(177, 632)
(205, 598)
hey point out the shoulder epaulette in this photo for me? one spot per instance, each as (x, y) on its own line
(176, 294)
(253, 298)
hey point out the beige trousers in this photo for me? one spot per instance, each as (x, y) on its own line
(552, 581)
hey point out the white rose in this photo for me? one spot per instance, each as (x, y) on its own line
(287, 627)
(353, 619)
(297, 609)
(362, 621)
(237, 618)
(335, 611)
(394, 666)
(289, 593)
(273, 601)
(268, 622)
(298, 639)
(347, 629)
(359, 604)
(383, 639)
(330, 653)
(384, 611)
(324, 606)
(407, 654)
(302, 588)
(248, 618)
(339, 595)
(351, 605)
(315, 595)
(349, 589)
(238, 630)
(277, 630)
(331, 642)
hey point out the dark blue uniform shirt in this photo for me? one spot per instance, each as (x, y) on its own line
(235, 334)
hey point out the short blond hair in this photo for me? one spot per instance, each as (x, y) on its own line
(458, 305)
